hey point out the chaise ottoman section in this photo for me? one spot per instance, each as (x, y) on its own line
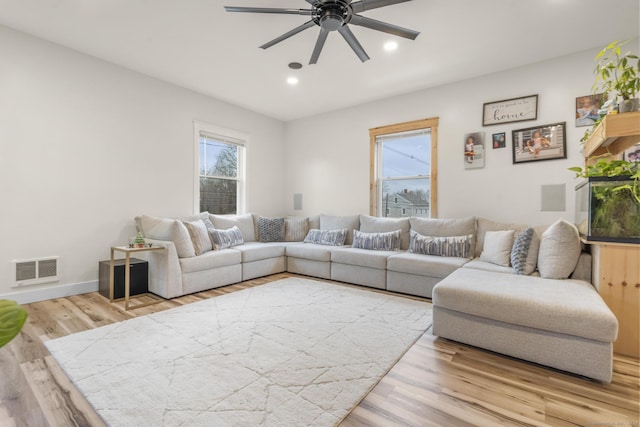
(364, 267)
(564, 324)
(417, 274)
(309, 259)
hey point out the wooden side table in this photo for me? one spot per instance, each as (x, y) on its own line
(616, 275)
(127, 274)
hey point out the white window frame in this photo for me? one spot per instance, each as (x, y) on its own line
(226, 135)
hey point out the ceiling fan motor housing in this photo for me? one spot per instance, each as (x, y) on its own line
(331, 15)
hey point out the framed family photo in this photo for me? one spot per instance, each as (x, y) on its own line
(499, 140)
(546, 142)
(474, 150)
(587, 108)
(632, 154)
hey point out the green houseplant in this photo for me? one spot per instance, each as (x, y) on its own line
(618, 73)
(12, 318)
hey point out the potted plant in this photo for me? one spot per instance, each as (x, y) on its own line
(12, 317)
(618, 73)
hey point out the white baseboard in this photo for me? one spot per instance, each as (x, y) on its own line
(35, 295)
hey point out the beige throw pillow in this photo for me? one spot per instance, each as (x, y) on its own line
(199, 236)
(559, 250)
(497, 247)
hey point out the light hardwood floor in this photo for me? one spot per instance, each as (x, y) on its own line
(437, 382)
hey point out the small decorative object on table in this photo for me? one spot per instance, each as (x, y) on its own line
(139, 242)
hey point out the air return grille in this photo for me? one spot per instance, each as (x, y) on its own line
(34, 271)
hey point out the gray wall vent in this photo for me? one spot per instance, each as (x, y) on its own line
(34, 271)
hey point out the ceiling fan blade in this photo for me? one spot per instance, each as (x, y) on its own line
(374, 24)
(269, 10)
(353, 42)
(288, 34)
(362, 5)
(322, 37)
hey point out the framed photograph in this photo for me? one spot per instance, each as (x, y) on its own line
(510, 110)
(499, 140)
(632, 154)
(587, 109)
(546, 142)
(474, 150)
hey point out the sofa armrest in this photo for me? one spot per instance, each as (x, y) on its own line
(165, 274)
(583, 268)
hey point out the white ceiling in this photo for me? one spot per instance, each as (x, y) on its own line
(197, 45)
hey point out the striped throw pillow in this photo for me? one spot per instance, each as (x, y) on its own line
(389, 241)
(453, 246)
(222, 239)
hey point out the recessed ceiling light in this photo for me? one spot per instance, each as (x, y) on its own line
(292, 81)
(390, 46)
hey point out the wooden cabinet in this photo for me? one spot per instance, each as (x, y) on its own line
(616, 275)
(616, 266)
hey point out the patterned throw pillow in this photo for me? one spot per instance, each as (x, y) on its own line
(520, 251)
(389, 241)
(326, 237)
(271, 229)
(453, 246)
(222, 239)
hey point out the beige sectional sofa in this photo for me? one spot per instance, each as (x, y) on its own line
(559, 322)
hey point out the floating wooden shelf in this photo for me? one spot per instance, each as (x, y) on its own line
(614, 134)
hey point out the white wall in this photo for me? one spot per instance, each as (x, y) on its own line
(327, 156)
(86, 145)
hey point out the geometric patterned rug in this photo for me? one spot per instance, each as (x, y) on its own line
(295, 352)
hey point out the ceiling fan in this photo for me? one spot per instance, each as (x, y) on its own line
(334, 15)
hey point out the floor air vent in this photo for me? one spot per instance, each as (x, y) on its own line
(34, 271)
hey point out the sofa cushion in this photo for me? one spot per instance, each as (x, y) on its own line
(243, 222)
(372, 224)
(352, 222)
(270, 229)
(255, 251)
(295, 229)
(199, 236)
(167, 229)
(424, 265)
(223, 239)
(524, 253)
(361, 257)
(570, 307)
(488, 266)
(559, 250)
(326, 237)
(310, 251)
(389, 241)
(203, 216)
(209, 260)
(497, 247)
(484, 225)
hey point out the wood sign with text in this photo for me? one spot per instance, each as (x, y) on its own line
(510, 110)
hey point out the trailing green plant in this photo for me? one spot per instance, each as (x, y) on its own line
(617, 72)
(12, 318)
(588, 132)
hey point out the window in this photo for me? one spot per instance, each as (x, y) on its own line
(404, 169)
(220, 166)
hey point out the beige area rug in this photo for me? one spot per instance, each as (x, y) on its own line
(295, 352)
